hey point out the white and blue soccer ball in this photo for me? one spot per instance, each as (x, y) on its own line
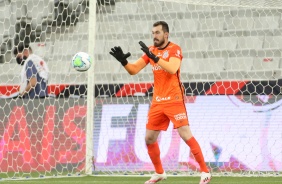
(81, 61)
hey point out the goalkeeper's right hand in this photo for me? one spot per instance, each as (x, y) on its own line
(119, 55)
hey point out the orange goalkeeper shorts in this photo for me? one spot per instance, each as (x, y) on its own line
(160, 115)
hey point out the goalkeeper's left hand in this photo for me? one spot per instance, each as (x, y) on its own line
(119, 55)
(147, 51)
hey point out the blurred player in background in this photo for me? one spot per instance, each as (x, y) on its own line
(34, 74)
(168, 98)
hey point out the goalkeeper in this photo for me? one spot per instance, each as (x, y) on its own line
(168, 98)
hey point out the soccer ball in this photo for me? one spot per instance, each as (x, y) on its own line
(81, 61)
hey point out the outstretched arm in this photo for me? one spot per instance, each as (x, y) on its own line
(134, 68)
(131, 68)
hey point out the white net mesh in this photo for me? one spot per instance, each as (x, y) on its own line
(43, 136)
(231, 50)
(231, 61)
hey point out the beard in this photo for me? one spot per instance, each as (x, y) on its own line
(160, 42)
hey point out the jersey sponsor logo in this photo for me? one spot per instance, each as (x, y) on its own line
(180, 116)
(165, 54)
(156, 67)
(158, 99)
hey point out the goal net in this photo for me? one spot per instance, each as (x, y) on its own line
(94, 122)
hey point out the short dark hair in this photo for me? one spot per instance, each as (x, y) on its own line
(20, 47)
(163, 24)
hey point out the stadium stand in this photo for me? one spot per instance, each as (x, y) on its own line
(202, 69)
(220, 42)
(236, 68)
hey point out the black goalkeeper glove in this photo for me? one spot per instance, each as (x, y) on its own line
(119, 55)
(148, 52)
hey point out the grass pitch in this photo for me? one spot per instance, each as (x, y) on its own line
(141, 180)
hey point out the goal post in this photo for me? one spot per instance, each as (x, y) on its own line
(94, 122)
(90, 88)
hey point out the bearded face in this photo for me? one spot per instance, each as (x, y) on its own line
(159, 42)
(159, 36)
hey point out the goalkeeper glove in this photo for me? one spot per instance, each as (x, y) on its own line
(119, 55)
(145, 49)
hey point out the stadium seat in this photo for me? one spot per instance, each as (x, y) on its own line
(6, 21)
(74, 78)
(211, 24)
(62, 72)
(242, 23)
(5, 11)
(220, 9)
(268, 22)
(42, 10)
(108, 27)
(223, 43)
(259, 3)
(266, 63)
(173, 7)
(142, 27)
(125, 8)
(123, 43)
(202, 69)
(75, 4)
(65, 50)
(264, 68)
(5, 29)
(237, 68)
(11, 68)
(68, 47)
(104, 70)
(199, 8)
(272, 42)
(114, 17)
(185, 25)
(110, 66)
(19, 9)
(250, 42)
(238, 63)
(144, 7)
(59, 67)
(82, 27)
(196, 44)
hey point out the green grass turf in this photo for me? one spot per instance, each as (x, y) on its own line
(141, 180)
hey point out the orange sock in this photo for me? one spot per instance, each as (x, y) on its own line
(197, 152)
(154, 153)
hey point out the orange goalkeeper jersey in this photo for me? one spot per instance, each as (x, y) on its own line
(167, 87)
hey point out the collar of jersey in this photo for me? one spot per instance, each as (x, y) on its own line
(164, 47)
